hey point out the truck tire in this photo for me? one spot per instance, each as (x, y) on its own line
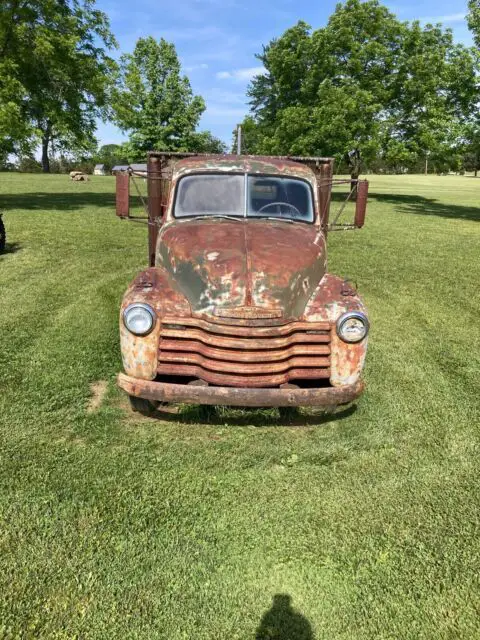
(3, 235)
(143, 406)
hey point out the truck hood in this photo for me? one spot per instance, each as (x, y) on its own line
(243, 268)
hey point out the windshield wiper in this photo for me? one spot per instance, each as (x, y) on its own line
(272, 218)
(218, 215)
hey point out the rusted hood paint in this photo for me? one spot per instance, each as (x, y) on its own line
(221, 264)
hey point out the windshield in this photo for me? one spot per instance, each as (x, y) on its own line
(279, 197)
(224, 195)
(210, 194)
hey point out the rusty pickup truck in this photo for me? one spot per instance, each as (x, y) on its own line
(237, 306)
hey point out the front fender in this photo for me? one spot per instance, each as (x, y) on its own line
(153, 287)
(332, 298)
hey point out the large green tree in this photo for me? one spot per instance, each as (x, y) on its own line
(473, 19)
(153, 101)
(365, 81)
(55, 51)
(435, 93)
(324, 91)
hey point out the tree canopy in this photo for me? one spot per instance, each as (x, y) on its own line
(473, 19)
(54, 58)
(392, 90)
(153, 102)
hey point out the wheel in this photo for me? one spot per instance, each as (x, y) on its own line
(143, 406)
(3, 235)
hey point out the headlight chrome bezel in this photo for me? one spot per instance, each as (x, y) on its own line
(145, 307)
(359, 315)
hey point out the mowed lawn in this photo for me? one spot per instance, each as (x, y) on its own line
(186, 526)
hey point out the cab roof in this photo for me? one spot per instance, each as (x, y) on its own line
(243, 164)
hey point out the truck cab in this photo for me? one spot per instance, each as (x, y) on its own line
(237, 306)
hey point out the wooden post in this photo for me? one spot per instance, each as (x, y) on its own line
(324, 177)
(122, 194)
(154, 188)
(361, 204)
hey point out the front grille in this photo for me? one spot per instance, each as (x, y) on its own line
(244, 356)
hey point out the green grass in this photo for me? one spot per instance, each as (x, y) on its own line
(113, 526)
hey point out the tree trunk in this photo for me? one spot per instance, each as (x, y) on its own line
(45, 158)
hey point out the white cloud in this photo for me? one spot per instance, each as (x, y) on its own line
(240, 75)
(215, 95)
(453, 17)
(196, 67)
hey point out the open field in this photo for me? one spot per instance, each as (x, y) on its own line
(185, 527)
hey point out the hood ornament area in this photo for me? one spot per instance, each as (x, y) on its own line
(251, 313)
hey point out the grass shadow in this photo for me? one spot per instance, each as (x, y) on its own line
(63, 201)
(10, 247)
(244, 417)
(426, 206)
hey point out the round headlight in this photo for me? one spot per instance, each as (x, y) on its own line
(352, 326)
(139, 318)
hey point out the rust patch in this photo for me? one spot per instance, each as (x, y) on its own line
(240, 397)
(272, 266)
(248, 312)
(328, 304)
(153, 287)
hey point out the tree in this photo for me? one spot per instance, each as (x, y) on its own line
(364, 82)
(473, 19)
(251, 137)
(324, 92)
(57, 55)
(153, 102)
(435, 93)
(110, 155)
(472, 145)
(205, 142)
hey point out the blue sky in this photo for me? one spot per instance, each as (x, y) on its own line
(217, 40)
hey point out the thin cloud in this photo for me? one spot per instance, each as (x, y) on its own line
(241, 75)
(453, 17)
(196, 67)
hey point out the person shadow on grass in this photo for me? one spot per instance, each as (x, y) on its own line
(282, 622)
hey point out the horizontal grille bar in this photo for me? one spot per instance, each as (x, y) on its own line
(239, 380)
(232, 342)
(244, 355)
(243, 367)
(169, 323)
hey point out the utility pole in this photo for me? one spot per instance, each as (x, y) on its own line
(239, 140)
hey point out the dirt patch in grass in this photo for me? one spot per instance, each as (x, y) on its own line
(98, 390)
